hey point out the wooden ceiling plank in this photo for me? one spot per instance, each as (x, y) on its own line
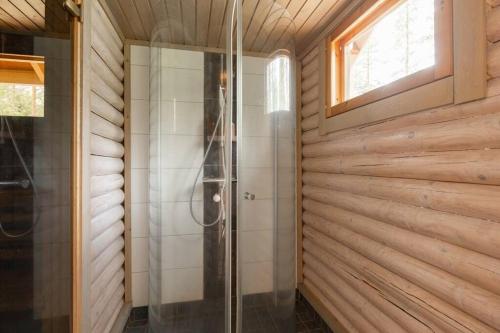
(216, 22)
(114, 6)
(202, 21)
(146, 17)
(5, 25)
(262, 11)
(249, 8)
(38, 5)
(284, 4)
(129, 9)
(305, 12)
(15, 13)
(323, 13)
(162, 27)
(30, 13)
(15, 24)
(277, 12)
(188, 10)
(175, 19)
(223, 30)
(283, 34)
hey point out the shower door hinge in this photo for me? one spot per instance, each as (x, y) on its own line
(73, 9)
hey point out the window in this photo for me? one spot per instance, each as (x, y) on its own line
(21, 85)
(278, 84)
(387, 47)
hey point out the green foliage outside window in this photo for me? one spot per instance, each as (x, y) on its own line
(21, 100)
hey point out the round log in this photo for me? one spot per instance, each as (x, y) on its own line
(310, 68)
(100, 185)
(493, 25)
(105, 202)
(99, 66)
(310, 82)
(98, 308)
(372, 314)
(310, 122)
(101, 22)
(310, 56)
(472, 233)
(112, 58)
(494, 60)
(470, 166)
(493, 87)
(101, 88)
(100, 284)
(105, 239)
(112, 306)
(461, 294)
(100, 263)
(100, 146)
(461, 134)
(414, 297)
(357, 320)
(433, 116)
(102, 166)
(103, 221)
(102, 108)
(478, 269)
(105, 128)
(310, 109)
(368, 290)
(346, 324)
(310, 95)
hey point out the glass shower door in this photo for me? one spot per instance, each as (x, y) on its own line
(36, 128)
(265, 120)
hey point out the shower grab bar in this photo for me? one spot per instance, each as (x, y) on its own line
(24, 183)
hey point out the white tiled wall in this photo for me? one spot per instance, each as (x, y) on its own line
(182, 153)
(181, 128)
(139, 125)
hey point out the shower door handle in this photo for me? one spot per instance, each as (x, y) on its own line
(248, 196)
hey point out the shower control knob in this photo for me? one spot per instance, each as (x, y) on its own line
(249, 196)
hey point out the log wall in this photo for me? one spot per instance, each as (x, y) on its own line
(107, 211)
(401, 219)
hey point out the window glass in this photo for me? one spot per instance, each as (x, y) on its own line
(278, 84)
(398, 44)
(21, 100)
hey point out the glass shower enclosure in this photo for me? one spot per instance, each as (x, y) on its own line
(222, 171)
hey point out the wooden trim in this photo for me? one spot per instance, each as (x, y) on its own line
(470, 50)
(298, 171)
(127, 175)
(437, 93)
(365, 16)
(22, 58)
(320, 308)
(76, 177)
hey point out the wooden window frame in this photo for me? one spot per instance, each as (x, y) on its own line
(366, 15)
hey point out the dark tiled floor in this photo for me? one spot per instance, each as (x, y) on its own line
(306, 320)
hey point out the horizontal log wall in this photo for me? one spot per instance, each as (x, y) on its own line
(401, 219)
(106, 169)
